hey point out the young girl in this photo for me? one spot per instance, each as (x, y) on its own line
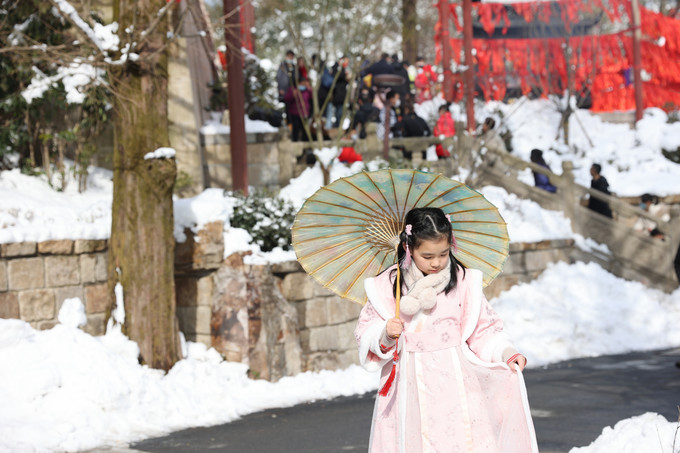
(455, 387)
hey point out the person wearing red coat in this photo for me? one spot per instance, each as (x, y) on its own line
(445, 127)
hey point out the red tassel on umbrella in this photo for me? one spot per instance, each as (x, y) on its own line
(388, 383)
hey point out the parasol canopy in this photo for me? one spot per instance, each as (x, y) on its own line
(348, 230)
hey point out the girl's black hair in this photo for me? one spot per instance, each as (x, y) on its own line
(426, 224)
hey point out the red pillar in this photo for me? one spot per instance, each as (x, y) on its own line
(637, 61)
(445, 41)
(235, 93)
(468, 76)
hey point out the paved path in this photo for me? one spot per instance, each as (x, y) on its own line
(571, 402)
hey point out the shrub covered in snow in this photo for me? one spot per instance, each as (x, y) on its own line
(268, 219)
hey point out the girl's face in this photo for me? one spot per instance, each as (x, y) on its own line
(432, 255)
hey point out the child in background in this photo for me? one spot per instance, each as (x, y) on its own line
(454, 385)
(445, 127)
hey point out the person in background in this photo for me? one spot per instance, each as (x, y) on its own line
(298, 101)
(541, 181)
(599, 183)
(286, 76)
(488, 137)
(445, 127)
(652, 205)
(393, 102)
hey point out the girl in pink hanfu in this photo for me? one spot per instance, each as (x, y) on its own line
(456, 385)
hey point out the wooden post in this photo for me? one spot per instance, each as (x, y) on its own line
(235, 93)
(637, 61)
(469, 79)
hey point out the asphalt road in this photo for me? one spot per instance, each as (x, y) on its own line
(571, 402)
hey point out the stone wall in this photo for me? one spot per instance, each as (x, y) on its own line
(36, 278)
(274, 318)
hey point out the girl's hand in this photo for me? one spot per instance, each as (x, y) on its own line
(521, 362)
(395, 327)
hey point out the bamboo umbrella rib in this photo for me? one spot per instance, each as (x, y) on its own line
(324, 214)
(330, 225)
(344, 228)
(478, 259)
(394, 191)
(358, 275)
(355, 201)
(480, 245)
(408, 192)
(363, 192)
(382, 230)
(336, 205)
(476, 210)
(458, 200)
(443, 195)
(337, 257)
(480, 233)
(315, 252)
(347, 266)
(422, 194)
(485, 222)
(387, 203)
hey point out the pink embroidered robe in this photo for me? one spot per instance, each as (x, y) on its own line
(452, 392)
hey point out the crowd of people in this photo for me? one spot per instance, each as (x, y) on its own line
(337, 85)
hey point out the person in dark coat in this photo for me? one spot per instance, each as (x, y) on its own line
(540, 180)
(382, 66)
(600, 183)
(298, 101)
(338, 93)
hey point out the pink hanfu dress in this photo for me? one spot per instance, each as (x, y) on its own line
(452, 392)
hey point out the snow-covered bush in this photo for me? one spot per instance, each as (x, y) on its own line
(268, 219)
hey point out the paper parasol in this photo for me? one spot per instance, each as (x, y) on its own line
(348, 230)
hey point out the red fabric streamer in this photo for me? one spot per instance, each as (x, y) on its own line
(390, 379)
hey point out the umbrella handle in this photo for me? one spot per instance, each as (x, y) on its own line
(398, 284)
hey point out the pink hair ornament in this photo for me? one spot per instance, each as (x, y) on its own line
(406, 263)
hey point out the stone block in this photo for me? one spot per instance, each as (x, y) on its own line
(18, 249)
(321, 291)
(298, 286)
(88, 262)
(96, 324)
(3, 276)
(201, 251)
(9, 305)
(342, 310)
(194, 320)
(90, 245)
(539, 259)
(96, 298)
(26, 273)
(60, 247)
(62, 271)
(46, 325)
(37, 305)
(101, 272)
(501, 283)
(313, 312)
(68, 292)
(192, 291)
(286, 267)
(514, 264)
(325, 338)
(345, 334)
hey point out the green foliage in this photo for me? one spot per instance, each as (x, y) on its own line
(268, 219)
(182, 181)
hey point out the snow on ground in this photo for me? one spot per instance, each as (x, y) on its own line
(628, 156)
(64, 390)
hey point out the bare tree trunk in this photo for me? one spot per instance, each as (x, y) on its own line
(409, 34)
(142, 244)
